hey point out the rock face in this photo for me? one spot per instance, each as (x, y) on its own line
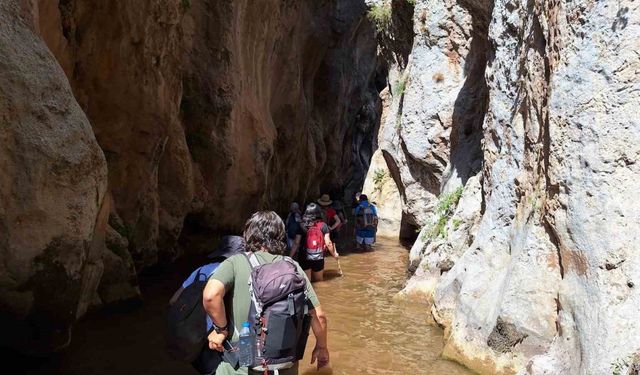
(532, 107)
(204, 113)
(209, 111)
(380, 187)
(53, 211)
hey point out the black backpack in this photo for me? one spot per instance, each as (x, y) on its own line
(279, 312)
(292, 226)
(186, 332)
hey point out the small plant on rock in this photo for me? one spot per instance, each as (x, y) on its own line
(379, 178)
(444, 210)
(401, 84)
(380, 15)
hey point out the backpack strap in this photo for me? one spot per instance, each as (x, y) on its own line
(252, 259)
(253, 263)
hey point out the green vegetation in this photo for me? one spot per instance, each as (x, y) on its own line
(456, 223)
(619, 366)
(444, 210)
(379, 178)
(186, 4)
(380, 15)
(401, 84)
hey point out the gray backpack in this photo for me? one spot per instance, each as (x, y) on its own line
(279, 313)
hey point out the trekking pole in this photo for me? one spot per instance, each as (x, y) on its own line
(339, 268)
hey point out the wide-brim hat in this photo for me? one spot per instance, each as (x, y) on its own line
(325, 200)
(229, 246)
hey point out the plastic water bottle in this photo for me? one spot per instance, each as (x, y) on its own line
(246, 346)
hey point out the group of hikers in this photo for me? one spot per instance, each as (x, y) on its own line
(260, 283)
(316, 230)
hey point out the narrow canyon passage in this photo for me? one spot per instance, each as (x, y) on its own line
(370, 331)
(501, 137)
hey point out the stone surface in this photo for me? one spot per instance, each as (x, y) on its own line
(539, 100)
(380, 187)
(53, 180)
(208, 111)
(204, 112)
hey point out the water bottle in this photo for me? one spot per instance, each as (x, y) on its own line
(246, 346)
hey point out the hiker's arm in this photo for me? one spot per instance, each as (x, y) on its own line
(330, 245)
(337, 223)
(213, 301)
(319, 326)
(296, 246)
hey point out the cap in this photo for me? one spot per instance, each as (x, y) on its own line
(229, 246)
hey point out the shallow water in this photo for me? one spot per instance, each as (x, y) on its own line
(369, 331)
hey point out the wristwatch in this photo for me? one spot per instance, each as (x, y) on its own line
(221, 330)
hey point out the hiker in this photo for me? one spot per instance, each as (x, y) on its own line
(339, 208)
(292, 225)
(315, 241)
(330, 215)
(228, 300)
(366, 223)
(208, 360)
(355, 202)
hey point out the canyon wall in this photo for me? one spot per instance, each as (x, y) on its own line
(515, 147)
(136, 131)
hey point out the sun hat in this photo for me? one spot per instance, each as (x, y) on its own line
(325, 200)
(229, 246)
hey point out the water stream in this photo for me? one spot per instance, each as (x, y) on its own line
(369, 331)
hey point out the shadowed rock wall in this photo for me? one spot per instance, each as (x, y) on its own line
(204, 111)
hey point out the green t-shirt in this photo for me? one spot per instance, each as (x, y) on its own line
(234, 273)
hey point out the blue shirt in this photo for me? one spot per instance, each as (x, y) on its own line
(205, 272)
(366, 232)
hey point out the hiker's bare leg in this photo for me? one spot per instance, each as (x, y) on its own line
(308, 272)
(318, 276)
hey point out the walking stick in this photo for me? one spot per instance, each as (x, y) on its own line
(339, 268)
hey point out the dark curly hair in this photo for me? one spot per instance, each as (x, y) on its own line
(265, 230)
(312, 213)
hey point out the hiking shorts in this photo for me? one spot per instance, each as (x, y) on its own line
(313, 265)
(364, 240)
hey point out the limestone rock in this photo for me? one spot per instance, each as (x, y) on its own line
(53, 214)
(541, 99)
(381, 189)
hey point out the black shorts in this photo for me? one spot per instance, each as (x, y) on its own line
(313, 265)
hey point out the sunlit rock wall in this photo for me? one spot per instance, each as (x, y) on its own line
(532, 107)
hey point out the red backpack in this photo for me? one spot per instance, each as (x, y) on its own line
(315, 242)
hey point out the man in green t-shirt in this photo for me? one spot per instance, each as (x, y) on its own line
(226, 296)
